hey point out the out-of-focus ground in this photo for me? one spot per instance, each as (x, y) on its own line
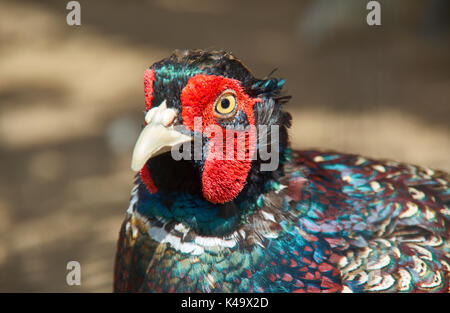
(71, 103)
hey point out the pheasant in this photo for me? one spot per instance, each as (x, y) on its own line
(316, 221)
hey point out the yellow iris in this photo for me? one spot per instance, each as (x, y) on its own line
(225, 105)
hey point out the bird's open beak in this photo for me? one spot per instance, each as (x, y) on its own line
(157, 137)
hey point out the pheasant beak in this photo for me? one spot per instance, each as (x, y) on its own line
(157, 137)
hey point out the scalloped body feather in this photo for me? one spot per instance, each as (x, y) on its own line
(332, 223)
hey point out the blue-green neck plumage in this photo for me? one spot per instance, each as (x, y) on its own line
(206, 218)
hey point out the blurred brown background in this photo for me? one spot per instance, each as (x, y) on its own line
(71, 103)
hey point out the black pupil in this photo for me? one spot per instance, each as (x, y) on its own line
(225, 103)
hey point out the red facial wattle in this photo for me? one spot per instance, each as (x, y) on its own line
(222, 179)
(149, 79)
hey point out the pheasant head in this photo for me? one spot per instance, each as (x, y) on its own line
(206, 116)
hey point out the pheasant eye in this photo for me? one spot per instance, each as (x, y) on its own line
(225, 105)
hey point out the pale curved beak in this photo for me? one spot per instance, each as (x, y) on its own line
(157, 137)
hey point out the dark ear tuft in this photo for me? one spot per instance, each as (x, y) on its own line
(269, 87)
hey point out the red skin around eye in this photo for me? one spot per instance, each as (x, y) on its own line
(222, 180)
(149, 78)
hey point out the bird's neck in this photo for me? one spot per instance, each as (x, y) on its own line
(207, 218)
